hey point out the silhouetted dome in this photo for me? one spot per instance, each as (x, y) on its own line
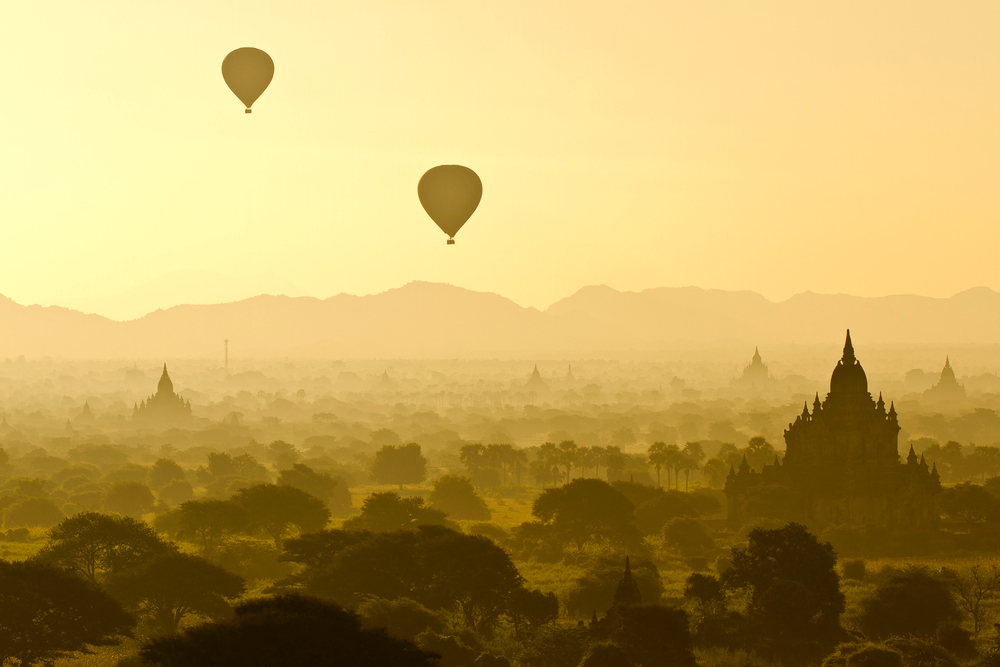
(165, 386)
(947, 373)
(849, 377)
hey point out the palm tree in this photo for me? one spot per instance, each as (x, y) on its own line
(658, 458)
(673, 454)
(568, 455)
(695, 455)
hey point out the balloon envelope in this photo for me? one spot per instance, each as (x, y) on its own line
(247, 72)
(450, 194)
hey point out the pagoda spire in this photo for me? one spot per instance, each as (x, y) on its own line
(849, 357)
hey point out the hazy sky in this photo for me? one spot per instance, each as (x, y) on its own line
(772, 146)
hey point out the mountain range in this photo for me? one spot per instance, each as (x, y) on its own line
(434, 320)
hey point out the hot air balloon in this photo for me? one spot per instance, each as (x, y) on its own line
(247, 72)
(450, 194)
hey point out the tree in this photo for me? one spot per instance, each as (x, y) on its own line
(689, 537)
(502, 455)
(531, 609)
(316, 549)
(176, 492)
(438, 567)
(672, 460)
(5, 466)
(907, 602)
(567, 456)
(715, 470)
(704, 588)
(545, 466)
(277, 509)
(795, 598)
(402, 617)
(173, 586)
(130, 472)
(324, 486)
(554, 646)
(586, 509)
(693, 454)
(975, 588)
(657, 455)
(469, 572)
(163, 472)
(518, 459)
(93, 543)
(654, 513)
(49, 613)
(759, 452)
(283, 454)
(482, 468)
(387, 511)
(129, 498)
(210, 522)
(399, 465)
(985, 460)
(595, 590)
(285, 630)
(30, 512)
(651, 635)
(456, 497)
(606, 655)
(968, 502)
(220, 464)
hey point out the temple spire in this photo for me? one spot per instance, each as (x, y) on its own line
(849, 357)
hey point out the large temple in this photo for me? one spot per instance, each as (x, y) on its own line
(164, 408)
(755, 375)
(535, 383)
(842, 462)
(947, 388)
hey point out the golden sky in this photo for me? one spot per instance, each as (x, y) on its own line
(849, 146)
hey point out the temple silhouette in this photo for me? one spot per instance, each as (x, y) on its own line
(755, 374)
(626, 595)
(947, 388)
(164, 408)
(842, 461)
(536, 383)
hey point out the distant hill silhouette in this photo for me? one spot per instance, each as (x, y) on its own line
(433, 320)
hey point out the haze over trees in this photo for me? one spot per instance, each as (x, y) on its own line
(505, 524)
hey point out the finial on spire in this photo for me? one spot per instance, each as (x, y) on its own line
(849, 349)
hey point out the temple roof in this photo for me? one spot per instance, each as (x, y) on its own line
(849, 377)
(165, 386)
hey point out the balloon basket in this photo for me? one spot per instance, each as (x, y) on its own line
(451, 242)
(247, 111)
